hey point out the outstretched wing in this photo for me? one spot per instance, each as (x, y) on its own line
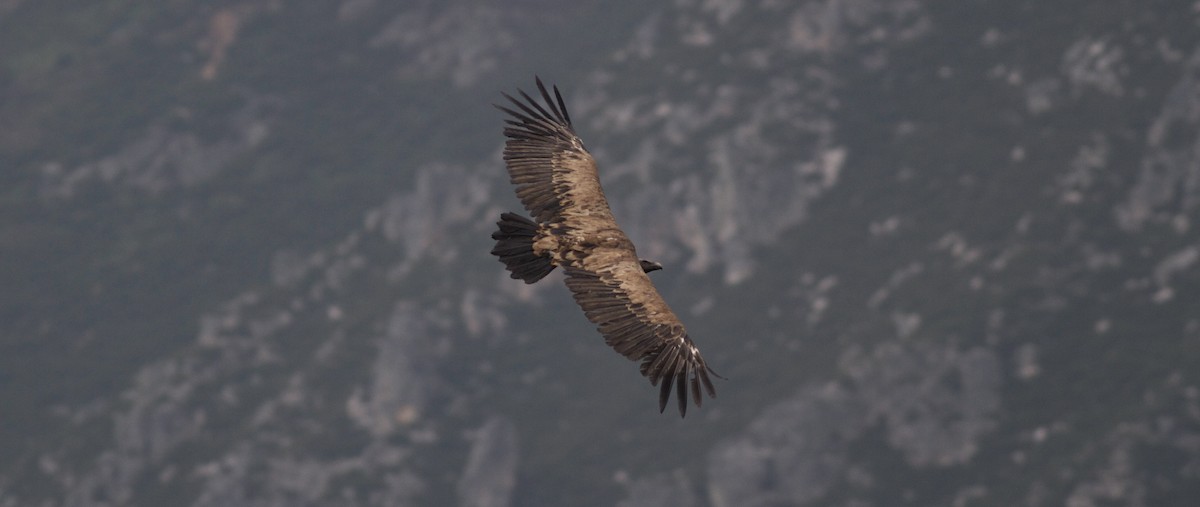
(554, 174)
(619, 298)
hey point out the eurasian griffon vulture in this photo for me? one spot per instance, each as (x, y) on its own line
(573, 228)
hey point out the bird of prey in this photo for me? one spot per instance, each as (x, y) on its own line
(573, 228)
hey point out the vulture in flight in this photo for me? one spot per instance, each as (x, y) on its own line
(573, 228)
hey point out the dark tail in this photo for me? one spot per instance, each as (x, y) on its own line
(514, 247)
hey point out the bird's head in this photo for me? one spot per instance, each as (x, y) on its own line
(648, 266)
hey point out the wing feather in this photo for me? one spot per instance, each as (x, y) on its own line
(616, 295)
(554, 174)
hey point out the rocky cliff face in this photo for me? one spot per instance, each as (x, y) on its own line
(945, 253)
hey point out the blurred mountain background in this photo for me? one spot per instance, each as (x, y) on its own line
(943, 250)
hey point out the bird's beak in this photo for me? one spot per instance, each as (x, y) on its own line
(648, 266)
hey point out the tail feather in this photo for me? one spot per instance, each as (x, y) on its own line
(514, 247)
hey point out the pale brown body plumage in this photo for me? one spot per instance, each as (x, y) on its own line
(573, 228)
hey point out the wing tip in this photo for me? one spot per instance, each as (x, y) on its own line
(534, 112)
(682, 369)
